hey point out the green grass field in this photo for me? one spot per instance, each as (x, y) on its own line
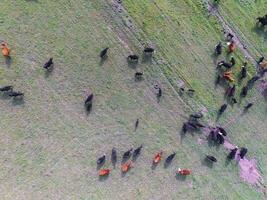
(49, 145)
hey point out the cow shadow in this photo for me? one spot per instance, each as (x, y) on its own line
(260, 31)
(103, 178)
(18, 101)
(4, 96)
(147, 58)
(8, 61)
(49, 71)
(180, 177)
(154, 165)
(207, 163)
(132, 64)
(103, 60)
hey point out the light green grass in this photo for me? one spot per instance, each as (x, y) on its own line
(49, 145)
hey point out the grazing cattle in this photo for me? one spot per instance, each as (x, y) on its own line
(136, 124)
(260, 60)
(103, 53)
(184, 172)
(126, 166)
(104, 172)
(159, 92)
(157, 157)
(211, 158)
(89, 98)
(16, 94)
(196, 116)
(243, 73)
(222, 109)
(88, 102)
(244, 91)
(48, 64)
(5, 49)
(243, 152)
(149, 50)
(138, 75)
(233, 101)
(232, 153)
(224, 64)
(229, 37)
(232, 61)
(6, 88)
(101, 160)
(132, 58)
(127, 154)
(262, 21)
(113, 155)
(137, 151)
(218, 48)
(231, 91)
(191, 92)
(220, 138)
(253, 80)
(231, 46)
(222, 131)
(248, 106)
(170, 158)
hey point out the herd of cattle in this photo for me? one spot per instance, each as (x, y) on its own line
(216, 134)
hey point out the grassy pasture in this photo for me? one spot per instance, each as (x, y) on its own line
(49, 145)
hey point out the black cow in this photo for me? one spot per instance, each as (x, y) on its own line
(138, 75)
(232, 153)
(248, 106)
(244, 91)
(149, 50)
(218, 48)
(88, 102)
(232, 61)
(253, 80)
(159, 93)
(229, 36)
(260, 60)
(196, 115)
(221, 130)
(243, 73)
(243, 152)
(137, 151)
(132, 58)
(169, 158)
(211, 158)
(16, 94)
(101, 160)
(220, 138)
(127, 154)
(262, 21)
(103, 53)
(222, 109)
(48, 64)
(6, 88)
(224, 64)
(233, 100)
